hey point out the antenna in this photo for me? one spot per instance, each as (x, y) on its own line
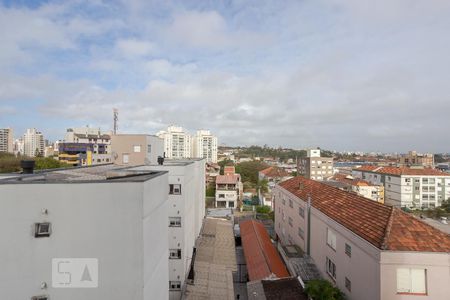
(116, 120)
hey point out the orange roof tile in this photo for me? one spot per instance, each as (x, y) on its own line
(228, 179)
(385, 227)
(274, 172)
(261, 256)
(402, 171)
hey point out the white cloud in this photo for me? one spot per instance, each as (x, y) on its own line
(134, 48)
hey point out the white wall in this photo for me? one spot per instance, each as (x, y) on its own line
(113, 222)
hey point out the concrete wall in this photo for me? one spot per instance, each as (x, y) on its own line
(117, 223)
(437, 267)
(124, 144)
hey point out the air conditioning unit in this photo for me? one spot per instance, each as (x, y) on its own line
(42, 229)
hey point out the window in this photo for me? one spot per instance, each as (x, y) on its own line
(407, 180)
(389, 178)
(425, 180)
(331, 239)
(348, 250)
(290, 221)
(301, 211)
(42, 230)
(39, 298)
(174, 285)
(301, 233)
(221, 195)
(137, 148)
(348, 284)
(331, 268)
(125, 158)
(174, 253)
(291, 204)
(149, 148)
(416, 180)
(174, 221)
(230, 203)
(175, 189)
(411, 281)
(283, 201)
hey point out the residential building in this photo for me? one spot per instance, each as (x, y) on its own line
(357, 185)
(33, 143)
(229, 188)
(177, 142)
(186, 211)
(19, 146)
(114, 216)
(417, 159)
(315, 167)
(6, 140)
(368, 250)
(136, 149)
(85, 146)
(273, 175)
(408, 187)
(205, 146)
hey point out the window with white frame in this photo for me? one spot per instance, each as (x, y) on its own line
(331, 239)
(137, 148)
(175, 253)
(411, 281)
(174, 221)
(331, 268)
(301, 211)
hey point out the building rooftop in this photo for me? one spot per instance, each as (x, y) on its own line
(348, 179)
(228, 179)
(263, 260)
(398, 171)
(385, 227)
(274, 172)
(286, 289)
(100, 173)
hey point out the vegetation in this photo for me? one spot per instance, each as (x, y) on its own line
(249, 171)
(263, 209)
(9, 163)
(263, 186)
(210, 191)
(323, 290)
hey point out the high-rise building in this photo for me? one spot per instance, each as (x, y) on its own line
(33, 143)
(6, 140)
(177, 142)
(314, 166)
(205, 146)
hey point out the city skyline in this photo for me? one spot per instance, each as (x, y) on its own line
(343, 75)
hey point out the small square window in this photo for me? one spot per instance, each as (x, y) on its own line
(174, 285)
(175, 189)
(137, 148)
(42, 229)
(174, 221)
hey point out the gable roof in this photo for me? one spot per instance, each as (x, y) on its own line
(385, 227)
(228, 179)
(261, 256)
(398, 171)
(274, 172)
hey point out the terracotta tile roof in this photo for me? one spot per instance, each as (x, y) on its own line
(229, 170)
(383, 226)
(274, 172)
(261, 256)
(402, 171)
(228, 179)
(350, 180)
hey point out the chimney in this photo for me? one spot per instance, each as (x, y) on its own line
(27, 166)
(160, 160)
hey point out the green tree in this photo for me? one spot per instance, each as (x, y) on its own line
(42, 163)
(263, 186)
(249, 170)
(323, 290)
(210, 191)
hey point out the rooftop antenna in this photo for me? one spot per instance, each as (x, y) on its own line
(116, 120)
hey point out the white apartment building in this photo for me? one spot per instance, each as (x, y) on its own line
(6, 140)
(186, 205)
(229, 188)
(408, 187)
(205, 146)
(368, 250)
(177, 142)
(33, 142)
(113, 215)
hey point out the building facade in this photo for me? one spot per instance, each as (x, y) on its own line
(177, 142)
(186, 210)
(315, 167)
(368, 250)
(136, 149)
(408, 187)
(417, 159)
(33, 143)
(116, 217)
(6, 140)
(359, 186)
(205, 146)
(229, 188)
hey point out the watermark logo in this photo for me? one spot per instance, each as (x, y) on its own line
(75, 272)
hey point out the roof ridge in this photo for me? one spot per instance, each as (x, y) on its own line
(387, 232)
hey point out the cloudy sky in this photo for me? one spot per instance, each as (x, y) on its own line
(339, 74)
